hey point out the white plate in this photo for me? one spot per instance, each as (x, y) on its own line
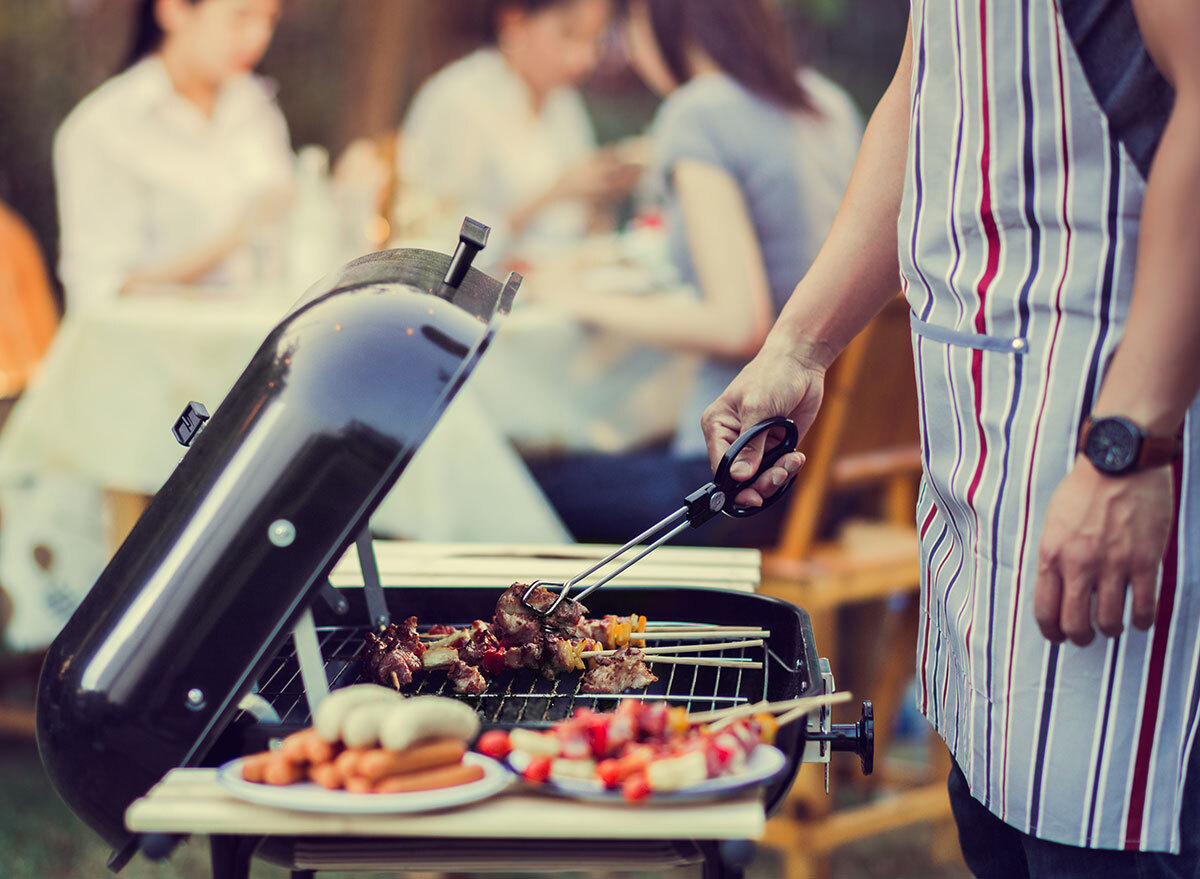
(764, 764)
(307, 796)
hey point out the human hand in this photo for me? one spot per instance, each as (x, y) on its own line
(780, 380)
(1101, 535)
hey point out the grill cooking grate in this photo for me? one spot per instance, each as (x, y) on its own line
(522, 696)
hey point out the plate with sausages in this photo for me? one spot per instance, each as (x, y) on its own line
(371, 750)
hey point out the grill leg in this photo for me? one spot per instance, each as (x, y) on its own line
(727, 858)
(231, 855)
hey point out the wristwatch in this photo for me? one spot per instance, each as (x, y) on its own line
(1116, 446)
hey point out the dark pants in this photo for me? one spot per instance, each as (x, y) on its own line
(995, 850)
(613, 498)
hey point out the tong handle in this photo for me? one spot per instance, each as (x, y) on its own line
(726, 483)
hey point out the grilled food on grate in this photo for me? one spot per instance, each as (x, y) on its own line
(516, 638)
(623, 670)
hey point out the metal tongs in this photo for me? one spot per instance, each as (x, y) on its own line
(699, 507)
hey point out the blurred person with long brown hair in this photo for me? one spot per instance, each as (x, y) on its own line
(165, 172)
(754, 153)
(502, 134)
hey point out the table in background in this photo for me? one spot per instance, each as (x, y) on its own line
(116, 378)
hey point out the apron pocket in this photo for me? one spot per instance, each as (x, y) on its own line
(1011, 344)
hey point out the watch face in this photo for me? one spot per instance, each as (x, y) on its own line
(1112, 445)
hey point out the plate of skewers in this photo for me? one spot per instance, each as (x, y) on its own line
(652, 751)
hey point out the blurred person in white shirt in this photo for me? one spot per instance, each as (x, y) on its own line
(169, 172)
(502, 134)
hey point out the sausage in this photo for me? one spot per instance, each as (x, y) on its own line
(333, 708)
(326, 775)
(347, 761)
(381, 763)
(356, 784)
(295, 747)
(280, 770)
(429, 779)
(427, 717)
(319, 750)
(254, 764)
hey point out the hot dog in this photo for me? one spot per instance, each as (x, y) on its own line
(253, 766)
(326, 775)
(279, 770)
(380, 763)
(429, 779)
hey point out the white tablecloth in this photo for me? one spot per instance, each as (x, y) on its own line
(99, 414)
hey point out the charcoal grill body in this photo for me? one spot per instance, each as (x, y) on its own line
(790, 663)
(150, 668)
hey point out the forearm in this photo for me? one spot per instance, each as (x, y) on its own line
(857, 270)
(668, 321)
(1155, 374)
(191, 266)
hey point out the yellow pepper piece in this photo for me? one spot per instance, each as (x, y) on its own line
(677, 718)
(768, 726)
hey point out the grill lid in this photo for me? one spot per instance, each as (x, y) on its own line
(314, 433)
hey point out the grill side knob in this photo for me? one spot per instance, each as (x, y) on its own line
(858, 737)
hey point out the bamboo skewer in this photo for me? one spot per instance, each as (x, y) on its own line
(801, 710)
(694, 635)
(798, 707)
(690, 648)
(705, 660)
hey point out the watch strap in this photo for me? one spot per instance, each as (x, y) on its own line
(1153, 451)
(1158, 451)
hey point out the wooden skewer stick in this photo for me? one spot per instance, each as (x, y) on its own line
(696, 635)
(694, 627)
(804, 702)
(395, 680)
(691, 648)
(801, 710)
(704, 660)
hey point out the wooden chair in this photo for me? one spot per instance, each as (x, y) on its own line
(860, 588)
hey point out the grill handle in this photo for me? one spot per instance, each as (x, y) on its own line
(858, 737)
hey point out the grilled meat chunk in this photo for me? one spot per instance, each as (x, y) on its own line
(466, 679)
(623, 670)
(516, 624)
(524, 656)
(478, 640)
(396, 650)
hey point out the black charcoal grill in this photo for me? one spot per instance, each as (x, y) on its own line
(203, 635)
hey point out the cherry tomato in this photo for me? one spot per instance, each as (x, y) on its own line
(635, 787)
(538, 769)
(493, 661)
(494, 743)
(609, 772)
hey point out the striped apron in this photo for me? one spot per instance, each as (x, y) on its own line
(1017, 235)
